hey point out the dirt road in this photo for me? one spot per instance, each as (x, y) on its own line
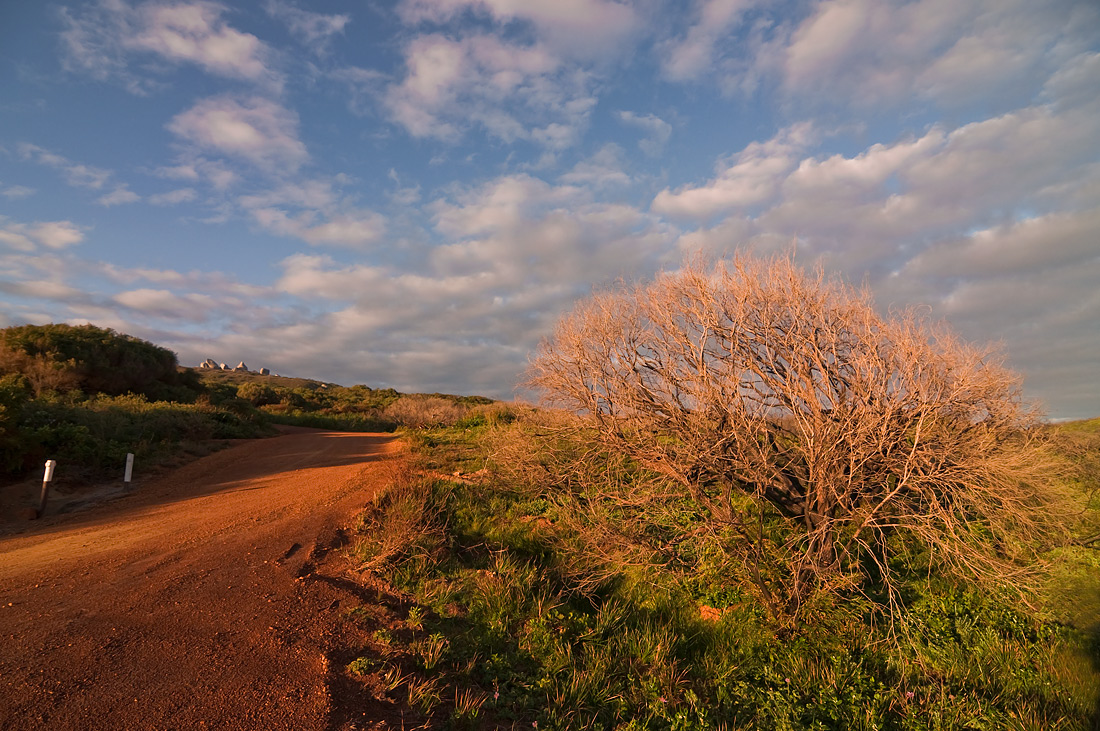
(200, 601)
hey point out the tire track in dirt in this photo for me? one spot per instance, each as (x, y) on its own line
(209, 598)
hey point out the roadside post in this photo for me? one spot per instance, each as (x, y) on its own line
(129, 470)
(47, 478)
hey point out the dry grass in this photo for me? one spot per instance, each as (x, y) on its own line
(401, 523)
(424, 411)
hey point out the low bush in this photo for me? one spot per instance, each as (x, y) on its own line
(90, 437)
(257, 394)
(347, 421)
(424, 411)
(537, 592)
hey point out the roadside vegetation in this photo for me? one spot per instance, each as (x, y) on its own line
(759, 506)
(513, 615)
(86, 396)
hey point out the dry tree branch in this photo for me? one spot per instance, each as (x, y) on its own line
(789, 388)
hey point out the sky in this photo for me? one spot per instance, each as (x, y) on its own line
(410, 194)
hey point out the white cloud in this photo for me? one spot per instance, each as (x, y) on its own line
(190, 307)
(219, 285)
(695, 53)
(582, 28)
(76, 174)
(50, 234)
(313, 211)
(353, 229)
(218, 174)
(1019, 248)
(178, 172)
(196, 33)
(1076, 83)
(165, 306)
(602, 170)
(512, 92)
(524, 230)
(506, 202)
(14, 237)
(870, 52)
(315, 194)
(119, 196)
(1044, 312)
(657, 131)
(403, 195)
(877, 205)
(195, 168)
(750, 178)
(349, 229)
(992, 224)
(100, 38)
(17, 191)
(173, 197)
(1006, 160)
(92, 43)
(315, 30)
(43, 289)
(255, 129)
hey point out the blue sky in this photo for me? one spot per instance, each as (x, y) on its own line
(410, 194)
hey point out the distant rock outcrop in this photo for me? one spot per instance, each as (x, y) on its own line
(212, 365)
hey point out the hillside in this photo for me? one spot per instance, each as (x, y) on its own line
(86, 397)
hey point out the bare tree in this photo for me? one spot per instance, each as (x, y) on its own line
(753, 379)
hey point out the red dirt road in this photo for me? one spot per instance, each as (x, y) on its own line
(200, 601)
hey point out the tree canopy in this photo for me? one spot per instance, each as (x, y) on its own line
(96, 360)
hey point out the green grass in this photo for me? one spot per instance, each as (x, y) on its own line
(90, 434)
(353, 422)
(503, 619)
(90, 437)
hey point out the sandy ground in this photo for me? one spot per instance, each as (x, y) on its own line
(215, 596)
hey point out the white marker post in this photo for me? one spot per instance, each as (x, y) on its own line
(46, 479)
(129, 470)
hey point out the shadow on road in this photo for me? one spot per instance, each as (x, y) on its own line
(246, 466)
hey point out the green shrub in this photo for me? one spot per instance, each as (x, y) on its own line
(65, 357)
(670, 637)
(90, 437)
(354, 422)
(14, 394)
(257, 394)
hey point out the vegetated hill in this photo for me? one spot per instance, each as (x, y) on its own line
(383, 395)
(63, 358)
(238, 378)
(306, 402)
(86, 396)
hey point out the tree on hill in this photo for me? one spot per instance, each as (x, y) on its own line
(773, 396)
(63, 357)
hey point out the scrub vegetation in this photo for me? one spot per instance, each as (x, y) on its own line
(756, 505)
(86, 396)
(541, 586)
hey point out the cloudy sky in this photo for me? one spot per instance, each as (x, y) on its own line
(410, 194)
